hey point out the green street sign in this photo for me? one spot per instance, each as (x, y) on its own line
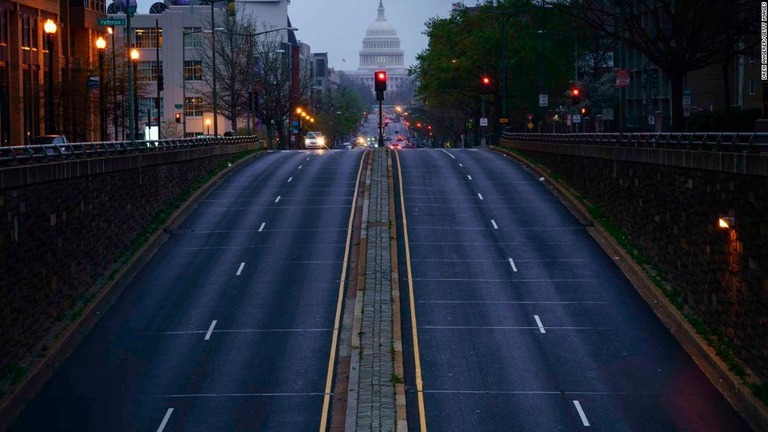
(111, 22)
(179, 106)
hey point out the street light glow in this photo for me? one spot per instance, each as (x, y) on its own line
(101, 43)
(134, 54)
(49, 26)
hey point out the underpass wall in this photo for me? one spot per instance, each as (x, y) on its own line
(65, 225)
(667, 204)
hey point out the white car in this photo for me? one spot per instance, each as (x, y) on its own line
(314, 140)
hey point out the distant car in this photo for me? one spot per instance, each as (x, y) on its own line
(54, 144)
(314, 140)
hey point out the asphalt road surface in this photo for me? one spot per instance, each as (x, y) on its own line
(522, 321)
(229, 326)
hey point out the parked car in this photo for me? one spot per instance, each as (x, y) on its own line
(54, 144)
(314, 140)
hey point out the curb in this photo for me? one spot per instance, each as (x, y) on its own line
(41, 370)
(401, 413)
(754, 411)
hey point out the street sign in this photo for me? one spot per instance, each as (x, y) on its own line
(503, 120)
(111, 22)
(651, 119)
(686, 101)
(622, 77)
(577, 118)
(484, 121)
(543, 100)
(530, 125)
(179, 106)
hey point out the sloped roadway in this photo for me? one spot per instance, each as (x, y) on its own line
(522, 321)
(229, 327)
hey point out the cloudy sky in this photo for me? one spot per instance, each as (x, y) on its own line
(338, 26)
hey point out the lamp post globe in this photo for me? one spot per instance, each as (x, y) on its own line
(50, 30)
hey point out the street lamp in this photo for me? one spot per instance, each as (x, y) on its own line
(113, 82)
(208, 125)
(135, 119)
(50, 31)
(100, 45)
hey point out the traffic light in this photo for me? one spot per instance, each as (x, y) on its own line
(486, 82)
(178, 117)
(381, 81)
(575, 95)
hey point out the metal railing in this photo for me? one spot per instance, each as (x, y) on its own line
(45, 153)
(738, 142)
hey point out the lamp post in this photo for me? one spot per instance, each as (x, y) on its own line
(208, 125)
(50, 31)
(101, 44)
(113, 83)
(134, 102)
(213, 60)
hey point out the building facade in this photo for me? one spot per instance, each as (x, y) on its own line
(381, 51)
(179, 59)
(31, 60)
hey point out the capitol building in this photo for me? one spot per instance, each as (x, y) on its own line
(381, 51)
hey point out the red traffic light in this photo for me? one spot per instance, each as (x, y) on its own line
(381, 81)
(486, 80)
(575, 92)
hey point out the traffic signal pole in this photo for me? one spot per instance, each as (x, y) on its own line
(380, 85)
(381, 128)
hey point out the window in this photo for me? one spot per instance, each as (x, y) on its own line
(26, 35)
(147, 106)
(193, 107)
(147, 37)
(148, 70)
(193, 40)
(752, 89)
(193, 70)
(96, 5)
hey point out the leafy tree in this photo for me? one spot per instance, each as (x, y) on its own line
(678, 36)
(339, 112)
(518, 44)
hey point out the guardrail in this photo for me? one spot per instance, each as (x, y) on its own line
(45, 153)
(739, 142)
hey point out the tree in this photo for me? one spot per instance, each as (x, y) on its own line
(339, 110)
(234, 61)
(502, 40)
(678, 36)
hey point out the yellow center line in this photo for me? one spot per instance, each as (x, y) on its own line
(414, 332)
(337, 321)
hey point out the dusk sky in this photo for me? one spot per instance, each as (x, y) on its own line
(338, 26)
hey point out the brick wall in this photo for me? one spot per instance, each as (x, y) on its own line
(64, 225)
(670, 212)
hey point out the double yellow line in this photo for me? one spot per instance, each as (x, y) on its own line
(411, 301)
